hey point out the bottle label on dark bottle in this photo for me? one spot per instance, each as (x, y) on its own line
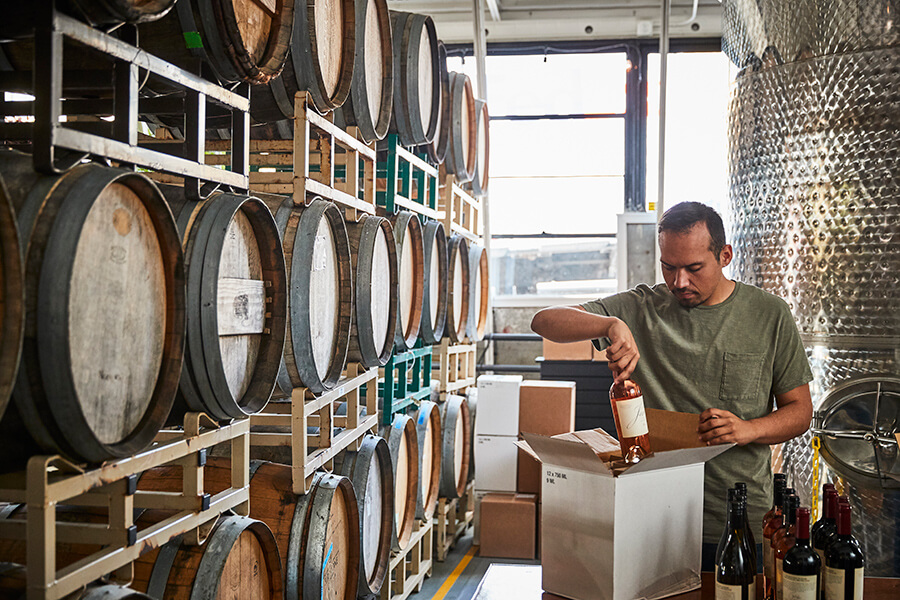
(799, 587)
(735, 592)
(632, 417)
(836, 583)
(768, 561)
(779, 579)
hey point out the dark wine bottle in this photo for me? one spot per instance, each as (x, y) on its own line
(783, 540)
(735, 575)
(729, 500)
(631, 420)
(772, 527)
(801, 566)
(827, 489)
(780, 480)
(826, 527)
(844, 562)
(741, 489)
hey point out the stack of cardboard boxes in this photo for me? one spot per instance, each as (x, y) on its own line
(507, 480)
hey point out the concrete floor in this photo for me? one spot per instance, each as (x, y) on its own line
(466, 583)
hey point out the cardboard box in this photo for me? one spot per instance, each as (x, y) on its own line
(495, 460)
(546, 408)
(627, 523)
(498, 405)
(476, 515)
(508, 525)
(583, 350)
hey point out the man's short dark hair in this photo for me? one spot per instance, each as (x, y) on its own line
(682, 217)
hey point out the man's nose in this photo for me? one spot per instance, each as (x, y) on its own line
(681, 278)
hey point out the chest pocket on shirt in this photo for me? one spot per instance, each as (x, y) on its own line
(741, 375)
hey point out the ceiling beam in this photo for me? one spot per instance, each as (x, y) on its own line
(494, 8)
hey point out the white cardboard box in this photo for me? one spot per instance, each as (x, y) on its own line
(614, 534)
(498, 405)
(496, 462)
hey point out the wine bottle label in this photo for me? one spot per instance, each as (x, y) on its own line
(799, 587)
(836, 583)
(735, 592)
(768, 561)
(779, 579)
(632, 418)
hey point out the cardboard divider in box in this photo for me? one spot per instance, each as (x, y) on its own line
(408, 569)
(322, 160)
(631, 514)
(311, 428)
(50, 481)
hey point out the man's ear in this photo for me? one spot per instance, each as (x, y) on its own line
(726, 255)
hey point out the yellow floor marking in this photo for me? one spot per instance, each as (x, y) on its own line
(454, 575)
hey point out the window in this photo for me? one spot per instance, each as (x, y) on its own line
(557, 172)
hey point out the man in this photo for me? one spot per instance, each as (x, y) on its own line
(703, 343)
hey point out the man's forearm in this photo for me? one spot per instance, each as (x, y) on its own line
(790, 420)
(565, 324)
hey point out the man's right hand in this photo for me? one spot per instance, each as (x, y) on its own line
(622, 353)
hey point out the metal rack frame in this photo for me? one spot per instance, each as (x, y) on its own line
(49, 136)
(407, 380)
(409, 182)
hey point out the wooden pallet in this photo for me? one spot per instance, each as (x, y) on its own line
(462, 211)
(409, 568)
(406, 181)
(309, 452)
(51, 480)
(457, 367)
(322, 160)
(452, 520)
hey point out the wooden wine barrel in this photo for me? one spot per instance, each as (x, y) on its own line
(369, 469)
(317, 534)
(12, 298)
(239, 560)
(478, 293)
(371, 99)
(472, 402)
(317, 256)
(320, 61)
(417, 78)
(105, 309)
(457, 433)
(411, 267)
(404, 447)
(240, 40)
(462, 148)
(375, 277)
(437, 148)
(458, 288)
(429, 434)
(435, 292)
(483, 148)
(233, 262)
(13, 586)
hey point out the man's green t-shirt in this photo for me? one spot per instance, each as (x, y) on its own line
(735, 355)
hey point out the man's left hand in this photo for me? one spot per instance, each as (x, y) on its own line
(719, 426)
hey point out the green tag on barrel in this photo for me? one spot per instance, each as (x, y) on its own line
(192, 39)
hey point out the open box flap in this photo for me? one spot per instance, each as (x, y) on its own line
(564, 453)
(676, 458)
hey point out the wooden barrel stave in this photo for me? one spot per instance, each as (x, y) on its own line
(369, 469)
(94, 231)
(434, 284)
(430, 437)
(370, 103)
(376, 302)
(462, 148)
(457, 433)
(437, 148)
(404, 447)
(234, 261)
(239, 560)
(472, 402)
(107, 12)
(482, 148)
(12, 298)
(240, 41)
(316, 251)
(417, 78)
(411, 269)
(478, 293)
(458, 288)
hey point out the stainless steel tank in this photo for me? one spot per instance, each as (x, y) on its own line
(814, 134)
